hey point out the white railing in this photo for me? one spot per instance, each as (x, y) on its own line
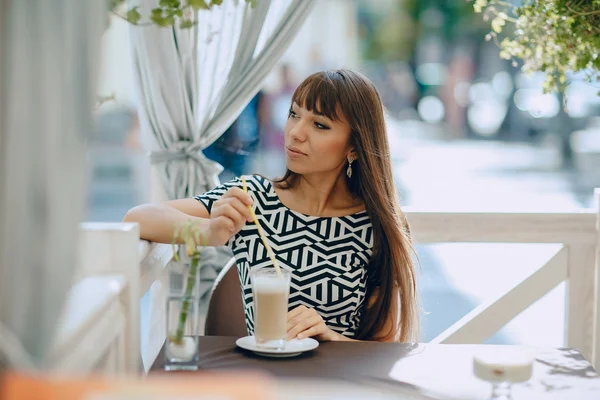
(99, 327)
(154, 280)
(100, 324)
(93, 326)
(577, 262)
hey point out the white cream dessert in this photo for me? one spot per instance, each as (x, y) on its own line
(513, 365)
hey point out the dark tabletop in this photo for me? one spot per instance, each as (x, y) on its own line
(558, 373)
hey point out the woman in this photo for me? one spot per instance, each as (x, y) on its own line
(333, 220)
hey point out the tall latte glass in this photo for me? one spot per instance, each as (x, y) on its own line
(270, 292)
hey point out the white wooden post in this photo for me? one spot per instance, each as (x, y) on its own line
(157, 332)
(92, 328)
(596, 336)
(113, 248)
(155, 281)
(581, 292)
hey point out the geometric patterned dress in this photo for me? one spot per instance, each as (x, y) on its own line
(326, 256)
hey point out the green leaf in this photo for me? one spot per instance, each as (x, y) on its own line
(158, 19)
(114, 4)
(169, 3)
(216, 2)
(186, 23)
(134, 16)
(169, 20)
(198, 5)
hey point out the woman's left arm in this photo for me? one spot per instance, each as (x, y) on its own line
(305, 322)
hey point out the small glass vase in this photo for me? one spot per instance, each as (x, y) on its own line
(182, 319)
(181, 346)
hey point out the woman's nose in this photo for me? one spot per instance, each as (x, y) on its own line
(298, 132)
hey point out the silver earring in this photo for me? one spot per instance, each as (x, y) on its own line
(349, 170)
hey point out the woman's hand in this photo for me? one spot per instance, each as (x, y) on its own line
(228, 216)
(305, 322)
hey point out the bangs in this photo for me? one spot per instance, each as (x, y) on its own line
(319, 94)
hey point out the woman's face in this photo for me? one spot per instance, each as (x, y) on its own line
(315, 143)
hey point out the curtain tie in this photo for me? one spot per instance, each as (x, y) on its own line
(178, 151)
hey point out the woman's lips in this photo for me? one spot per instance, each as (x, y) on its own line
(292, 152)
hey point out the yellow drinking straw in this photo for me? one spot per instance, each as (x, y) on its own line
(261, 233)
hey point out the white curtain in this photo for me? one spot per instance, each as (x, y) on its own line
(48, 58)
(194, 83)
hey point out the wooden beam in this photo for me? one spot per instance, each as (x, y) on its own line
(491, 316)
(449, 227)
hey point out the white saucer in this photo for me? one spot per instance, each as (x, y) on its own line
(292, 348)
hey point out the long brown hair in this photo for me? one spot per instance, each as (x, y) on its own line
(391, 282)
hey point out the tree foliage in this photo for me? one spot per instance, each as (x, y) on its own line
(168, 12)
(557, 37)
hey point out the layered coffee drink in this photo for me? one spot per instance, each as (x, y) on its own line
(270, 292)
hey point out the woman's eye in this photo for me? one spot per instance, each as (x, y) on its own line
(321, 126)
(292, 114)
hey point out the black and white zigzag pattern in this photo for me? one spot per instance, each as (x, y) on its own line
(327, 257)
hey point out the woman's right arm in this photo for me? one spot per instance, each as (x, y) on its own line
(158, 221)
